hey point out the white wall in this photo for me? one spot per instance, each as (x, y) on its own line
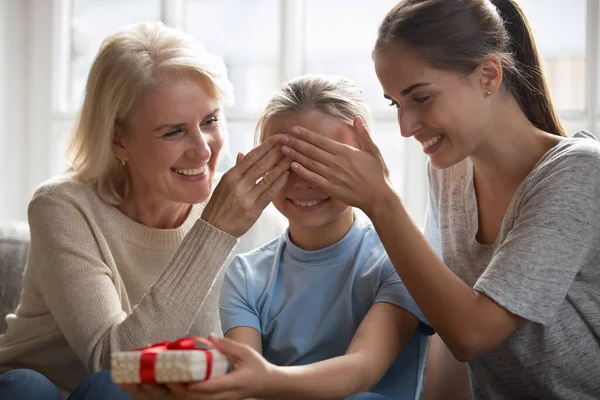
(14, 92)
(26, 106)
(40, 107)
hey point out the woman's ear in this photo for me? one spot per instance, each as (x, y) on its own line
(490, 75)
(118, 147)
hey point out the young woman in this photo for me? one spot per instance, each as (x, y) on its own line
(508, 270)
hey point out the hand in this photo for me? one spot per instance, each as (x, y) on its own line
(246, 189)
(252, 375)
(359, 178)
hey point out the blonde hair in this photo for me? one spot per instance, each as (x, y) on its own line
(335, 96)
(131, 63)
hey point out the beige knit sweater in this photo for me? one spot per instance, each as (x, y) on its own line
(96, 282)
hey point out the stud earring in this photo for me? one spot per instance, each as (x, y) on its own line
(488, 93)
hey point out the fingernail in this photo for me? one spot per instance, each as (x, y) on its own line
(295, 166)
(296, 130)
(285, 138)
(286, 150)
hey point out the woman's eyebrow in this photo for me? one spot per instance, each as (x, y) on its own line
(214, 112)
(413, 87)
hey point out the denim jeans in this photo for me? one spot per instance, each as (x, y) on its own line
(25, 384)
(368, 396)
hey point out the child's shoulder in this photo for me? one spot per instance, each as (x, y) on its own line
(370, 254)
(369, 234)
(268, 249)
(257, 260)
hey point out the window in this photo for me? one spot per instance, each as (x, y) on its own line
(339, 40)
(559, 28)
(246, 33)
(91, 22)
(340, 35)
(264, 42)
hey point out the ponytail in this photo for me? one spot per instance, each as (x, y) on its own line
(527, 80)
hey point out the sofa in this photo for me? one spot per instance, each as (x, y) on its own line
(14, 243)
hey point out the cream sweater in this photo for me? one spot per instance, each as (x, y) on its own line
(96, 282)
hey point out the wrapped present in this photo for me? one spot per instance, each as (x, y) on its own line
(189, 359)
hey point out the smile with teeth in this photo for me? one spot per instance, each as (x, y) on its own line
(307, 203)
(431, 142)
(190, 171)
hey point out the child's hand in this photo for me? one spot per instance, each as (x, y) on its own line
(252, 375)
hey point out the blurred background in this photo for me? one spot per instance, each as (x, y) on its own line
(47, 46)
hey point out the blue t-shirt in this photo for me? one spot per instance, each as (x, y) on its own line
(307, 305)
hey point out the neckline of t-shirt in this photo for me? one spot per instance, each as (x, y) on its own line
(331, 255)
(473, 211)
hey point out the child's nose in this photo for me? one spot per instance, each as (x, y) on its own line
(298, 182)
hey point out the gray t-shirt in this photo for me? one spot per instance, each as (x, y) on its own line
(544, 266)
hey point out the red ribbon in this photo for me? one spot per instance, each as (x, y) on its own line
(149, 354)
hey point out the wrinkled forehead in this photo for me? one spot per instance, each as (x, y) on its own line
(313, 120)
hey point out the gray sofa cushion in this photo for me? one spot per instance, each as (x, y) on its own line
(14, 243)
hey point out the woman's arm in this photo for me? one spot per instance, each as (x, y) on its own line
(79, 288)
(447, 378)
(444, 373)
(381, 336)
(468, 321)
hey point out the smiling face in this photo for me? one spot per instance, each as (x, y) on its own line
(446, 112)
(303, 204)
(172, 142)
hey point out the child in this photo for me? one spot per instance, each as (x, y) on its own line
(323, 297)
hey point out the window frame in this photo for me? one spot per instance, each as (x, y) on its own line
(52, 113)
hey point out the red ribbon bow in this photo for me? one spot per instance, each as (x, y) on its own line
(149, 354)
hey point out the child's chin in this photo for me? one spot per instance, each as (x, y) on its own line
(310, 223)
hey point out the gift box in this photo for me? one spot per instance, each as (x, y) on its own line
(190, 359)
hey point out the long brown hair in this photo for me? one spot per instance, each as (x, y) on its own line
(459, 34)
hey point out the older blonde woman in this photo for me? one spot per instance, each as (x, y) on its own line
(125, 249)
